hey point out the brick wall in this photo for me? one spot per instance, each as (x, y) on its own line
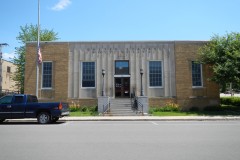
(83, 102)
(58, 53)
(187, 96)
(160, 102)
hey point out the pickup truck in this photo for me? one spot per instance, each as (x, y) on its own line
(27, 106)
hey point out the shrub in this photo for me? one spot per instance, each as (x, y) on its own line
(213, 109)
(93, 108)
(74, 108)
(194, 109)
(235, 101)
(77, 108)
(84, 109)
(169, 107)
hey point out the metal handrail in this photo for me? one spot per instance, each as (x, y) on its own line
(136, 105)
(133, 103)
(139, 104)
(107, 106)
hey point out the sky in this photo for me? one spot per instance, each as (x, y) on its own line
(119, 20)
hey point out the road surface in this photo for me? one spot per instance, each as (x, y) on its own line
(121, 140)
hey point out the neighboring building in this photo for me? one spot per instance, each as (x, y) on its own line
(7, 85)
(72, 71)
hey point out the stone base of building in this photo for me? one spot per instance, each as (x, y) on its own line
(185, 104)
(198, 102)
(161, 101)
(83, 102)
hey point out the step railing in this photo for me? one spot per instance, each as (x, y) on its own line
(139, 107)
(136, 105)
(106, 107)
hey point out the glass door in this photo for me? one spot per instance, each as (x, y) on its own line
(122, 87)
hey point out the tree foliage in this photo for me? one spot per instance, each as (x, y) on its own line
(222, 53)
(28, 33)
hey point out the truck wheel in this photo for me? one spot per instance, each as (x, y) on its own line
(55, 119)
(2, 120)
(43, 118)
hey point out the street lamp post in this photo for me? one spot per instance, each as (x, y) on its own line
(142, 92)
(103, 88)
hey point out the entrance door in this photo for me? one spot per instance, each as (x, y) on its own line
(122, 87)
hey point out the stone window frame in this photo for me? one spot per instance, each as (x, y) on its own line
(160, 86)
(82, 75)
(199, 78)
(42, 85)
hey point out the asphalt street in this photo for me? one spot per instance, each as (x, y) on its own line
(121, 140)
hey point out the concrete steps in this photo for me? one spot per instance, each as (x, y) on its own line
(121, 107)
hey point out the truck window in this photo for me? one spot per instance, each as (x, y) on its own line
(31, 99)
(6, 100)
(19, 99)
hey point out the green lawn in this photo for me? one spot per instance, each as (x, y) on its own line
(81, 114)
(200, 113)
(174, 114)
(223, 110)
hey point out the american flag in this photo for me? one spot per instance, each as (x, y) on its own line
(39, 56)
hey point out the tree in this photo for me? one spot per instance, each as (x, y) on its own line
(28, 33)
(222, 53)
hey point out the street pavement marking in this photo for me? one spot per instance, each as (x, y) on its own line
(154, 123)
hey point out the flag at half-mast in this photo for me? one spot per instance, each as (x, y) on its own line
(39, 55)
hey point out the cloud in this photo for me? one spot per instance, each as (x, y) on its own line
(62, 4)
(8, 56)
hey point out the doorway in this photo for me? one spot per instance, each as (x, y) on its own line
(122, 87)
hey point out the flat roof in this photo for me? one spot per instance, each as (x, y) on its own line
(140, 41)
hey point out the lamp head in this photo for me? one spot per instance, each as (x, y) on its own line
(103, 72)
(141, 71)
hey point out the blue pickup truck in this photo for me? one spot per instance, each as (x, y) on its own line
(27, 106)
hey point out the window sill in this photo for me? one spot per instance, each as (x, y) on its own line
(88, 87)
(46, 88)
(198, 87)
(197, 97)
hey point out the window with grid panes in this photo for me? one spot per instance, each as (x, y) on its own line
(47, 75)
(196, 74)
(155, 73)
(88, 74)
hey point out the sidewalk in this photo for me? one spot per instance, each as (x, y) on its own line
(151, 118)
(139, 118)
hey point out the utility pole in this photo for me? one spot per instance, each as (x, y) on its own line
(1, 45)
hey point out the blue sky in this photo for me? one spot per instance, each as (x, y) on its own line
(120, 20)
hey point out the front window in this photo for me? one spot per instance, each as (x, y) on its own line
(196, 74)
(88, 74)
(6, 100)
(122, 67)
(47, 75)
(155, 73)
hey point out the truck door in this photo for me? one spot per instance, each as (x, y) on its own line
(5, 107)
(18, 107)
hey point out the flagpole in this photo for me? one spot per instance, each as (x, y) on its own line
(37, 64)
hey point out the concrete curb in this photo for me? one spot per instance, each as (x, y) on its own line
(152, 118)
(139, 118)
